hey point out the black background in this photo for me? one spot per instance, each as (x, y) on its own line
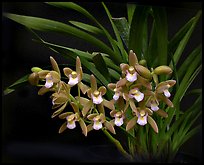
(28, 132)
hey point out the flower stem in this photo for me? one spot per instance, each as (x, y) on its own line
(118, 145)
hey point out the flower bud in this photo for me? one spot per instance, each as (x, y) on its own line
(36, 69)
(143, 71)
(163, 69)
(143, 62)
(33, 78)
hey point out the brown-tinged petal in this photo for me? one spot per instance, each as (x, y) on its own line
(132, 105)
(55, 76)
(89, 127)
(65, 87)
(171, 82)
(57, 112)
(102, 117)
(63, 127)
(93, 83)
(100, 108)
(124, 67)
(126, 96)
(83, 127)
(64, 115)
(108, 104)
(113, 112)
(42, 74)
(112, 86)
(89, 91)
(121, 103)
(60, 99)
(56, 106)
(55, 65)
(67, 71)
(162, 113)
(152, 123)
(78, 65)
(102, 89)
(144, 82)
(87, 107)
(109, 126)
(43, 90)
(121, 82)
(82, 100)
(166, 100)
(163, 69)
(84, 88)
(143, 71)
(75, 107)
(132, 58)
(131, 123)
(149, 111)
(91, 116)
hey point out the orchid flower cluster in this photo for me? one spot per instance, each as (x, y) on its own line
(136, 96)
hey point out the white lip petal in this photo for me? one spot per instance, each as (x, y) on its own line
(142, 120)
(73, 81)
(167, 93)
(97, 100)
(118, 121)
(116, 96)
(131, 77)
(71, 125)
(48, 83)
(154, 107)
(97, 125)
(139, 96)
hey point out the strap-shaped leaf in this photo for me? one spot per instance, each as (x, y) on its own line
(43, 24)
(137, 30)
(87, 27)
(123, 29)
(70, 52)
(114, 55)
(185, 39)
(191, 57)
(120, 43)
(130, 11)
(22, 81)
(160, 18)
(101, 65)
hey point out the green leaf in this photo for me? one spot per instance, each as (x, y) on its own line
(68, 52)
(159, 14)
(87, 27)
(47, 25)
(91, 67)
(123, 29)
(22, 81)
(71, 5)
(152, 52)
(101, 65)
(185, 39)
(175, 40)
(130, 11)
(191, 57)
(137, 30)
(120, 43)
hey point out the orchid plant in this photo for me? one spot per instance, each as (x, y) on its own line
(134, 85)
